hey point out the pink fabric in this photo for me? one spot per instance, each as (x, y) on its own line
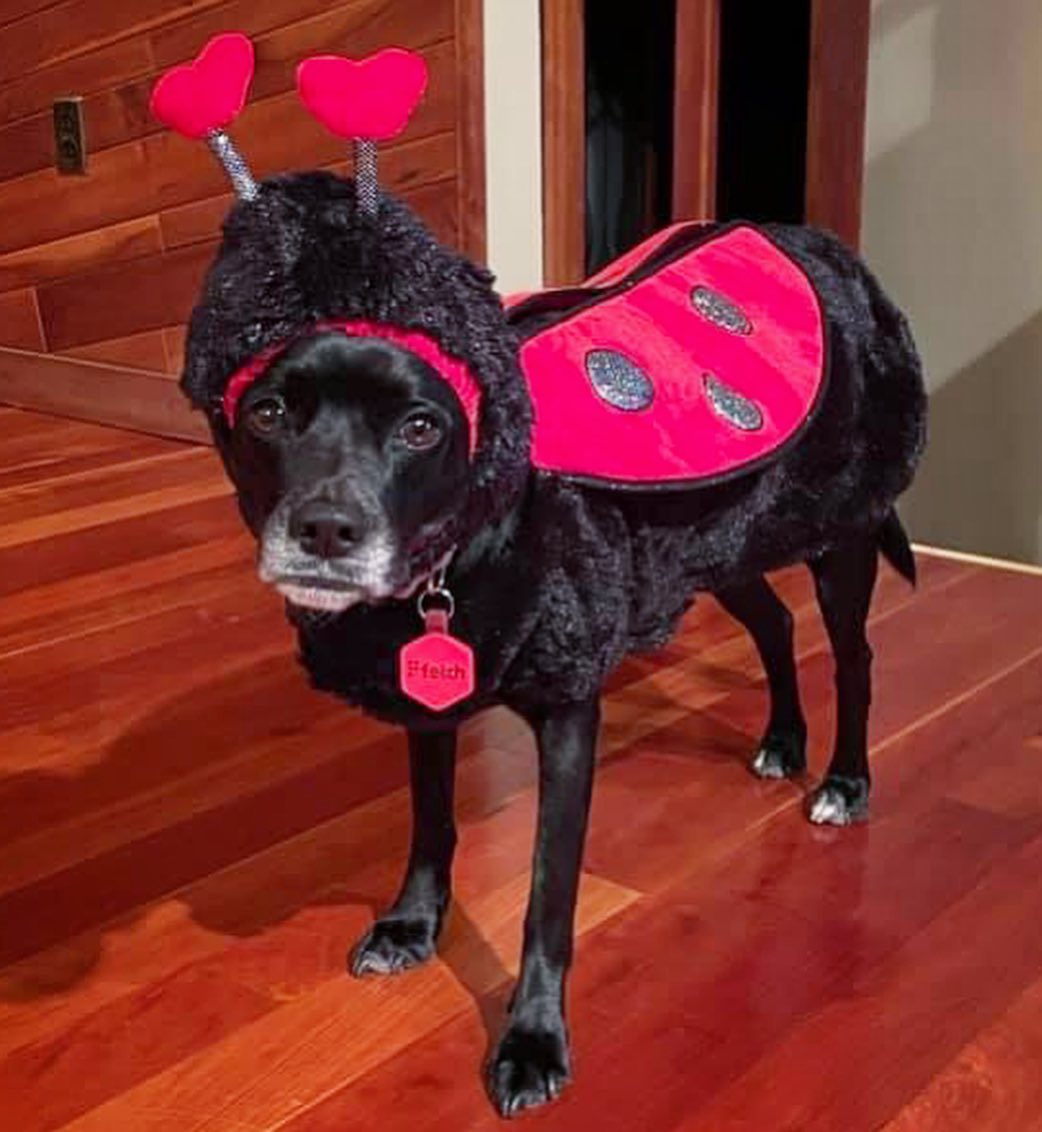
(365, 98)
(451, 369)
(208, 93)
(780, 367)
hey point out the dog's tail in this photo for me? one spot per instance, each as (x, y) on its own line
(895, 547)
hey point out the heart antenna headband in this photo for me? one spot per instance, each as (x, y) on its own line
(200, 99)
(367, 101)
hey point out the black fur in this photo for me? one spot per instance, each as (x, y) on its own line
(555, 582)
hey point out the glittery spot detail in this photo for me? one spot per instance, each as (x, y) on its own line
(731, 406)
(721, 311)
(234, 164)
(618, 381)
(366, 185)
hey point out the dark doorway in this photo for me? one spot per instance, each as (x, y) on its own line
(659, 110)
(762, 99)
(629, 123)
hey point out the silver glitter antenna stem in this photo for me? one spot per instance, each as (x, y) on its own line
(234, 164)
(366, 184)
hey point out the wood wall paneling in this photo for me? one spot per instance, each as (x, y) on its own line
(836, 115)
(470, 133)
(128, 398)
(695, 103)
(81, 253)
(164, 169)
(104, 268)
(119, 113)
(564, 142)
(402, 167)
(20, 320)
(136, 351)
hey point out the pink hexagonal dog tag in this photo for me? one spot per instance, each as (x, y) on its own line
(437, 670)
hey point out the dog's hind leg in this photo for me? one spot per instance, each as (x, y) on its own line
(845, 578)
(406, 934)
(783, 749)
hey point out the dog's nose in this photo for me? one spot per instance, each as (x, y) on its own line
(326, 530)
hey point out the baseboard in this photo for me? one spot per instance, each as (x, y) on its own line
(90, 391)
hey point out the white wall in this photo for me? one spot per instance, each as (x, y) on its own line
(513, 143)
(953, 227)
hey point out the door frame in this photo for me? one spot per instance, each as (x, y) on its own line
(836, 105)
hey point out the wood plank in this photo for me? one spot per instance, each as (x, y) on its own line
(78, 1055)
(510, 844)
(162, 289)
(75, 27)
(803, 906)
(320, 1021)
(90, 391)
(506, 846)
(80, 253)
(48, 495)
(471, 205)
(695, 108)
(137, 351)
(993, 1085)
(16, 9)
(836, 116)
(77, 458)
(726, 727)
(20, 324)
(403, 167)
(125, 299)
(31, 91)
(130, 539)
(147, 54)
(344, 27)
(41, 527)
(120, 114)
(164, 170)
(193, 837)
(564, 150)
(309, 867)
(933, 1008)
(174, 338)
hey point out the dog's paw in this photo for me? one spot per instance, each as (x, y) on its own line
(529, 1068)
(393, 946)
(839, 801)
(782, 754)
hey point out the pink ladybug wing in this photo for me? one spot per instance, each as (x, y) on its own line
(698, 356)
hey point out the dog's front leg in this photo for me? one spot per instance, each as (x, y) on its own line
(531, 1063)
(406, 934)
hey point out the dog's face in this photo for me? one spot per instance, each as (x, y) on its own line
(348, 454)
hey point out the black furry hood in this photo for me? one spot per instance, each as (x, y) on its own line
(302, 253)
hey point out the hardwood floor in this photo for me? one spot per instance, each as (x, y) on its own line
(192, 839)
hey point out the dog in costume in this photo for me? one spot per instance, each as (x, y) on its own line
(470, 503)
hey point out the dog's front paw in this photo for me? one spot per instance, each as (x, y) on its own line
(393, 946)
(529, 1068)
(839, 801)
(782, 754)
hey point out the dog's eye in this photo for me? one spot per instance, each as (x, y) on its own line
(266, 417)
(420, 433)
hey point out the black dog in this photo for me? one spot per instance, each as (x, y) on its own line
(351, 461)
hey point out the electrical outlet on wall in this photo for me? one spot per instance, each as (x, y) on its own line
(70, 140)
